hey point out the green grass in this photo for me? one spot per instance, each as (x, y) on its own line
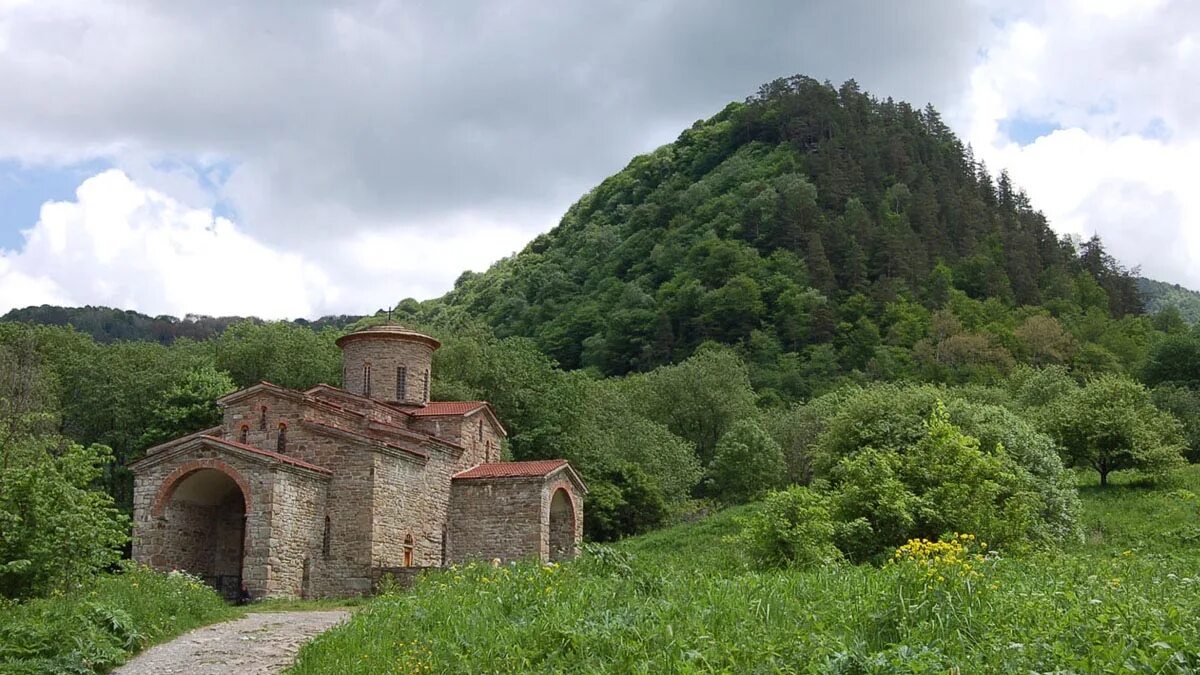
(1127, 598)
(101, 624)
(296, 605)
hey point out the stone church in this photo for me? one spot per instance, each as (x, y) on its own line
(319, 492)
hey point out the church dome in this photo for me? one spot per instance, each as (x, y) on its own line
(388, 363)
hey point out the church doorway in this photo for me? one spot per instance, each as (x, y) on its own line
(205, 529)
(562, 526)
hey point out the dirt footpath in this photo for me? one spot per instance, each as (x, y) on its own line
(262, 642)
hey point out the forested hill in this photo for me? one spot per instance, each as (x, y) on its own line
(808, 220)
(1160, 295)
(105, 324)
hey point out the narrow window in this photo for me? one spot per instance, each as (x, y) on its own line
(401, 382)
(366, 379)
(427, 386)
(408, 550)
(479, 433)
(281, 440)
(262, 418)
(242, 433)
(325, 539)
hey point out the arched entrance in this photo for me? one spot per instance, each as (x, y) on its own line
(562, 526)
(205, 526)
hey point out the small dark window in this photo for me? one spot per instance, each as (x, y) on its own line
(281, 440)
(479, 433)
(325, 539)
(401, 382)
(242, 433)
(427, 386)
(366, 379)
(262, 418)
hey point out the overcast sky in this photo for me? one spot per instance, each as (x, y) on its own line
(306, 158)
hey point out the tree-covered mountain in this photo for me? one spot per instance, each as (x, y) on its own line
(825, 231)
(1160, 295)
(106, 324)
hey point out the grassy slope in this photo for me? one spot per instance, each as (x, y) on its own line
(101, 624)
(1128, 596)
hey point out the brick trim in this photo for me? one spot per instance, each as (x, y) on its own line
(167, 488)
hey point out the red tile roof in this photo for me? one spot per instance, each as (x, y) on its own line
(534, 469)
(267, 453)
(436, 408)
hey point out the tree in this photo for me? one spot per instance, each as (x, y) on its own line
(1174, 359)
(188, 406)
(1110, 424)
(1044, 341)
(747, 463)
(55, 528)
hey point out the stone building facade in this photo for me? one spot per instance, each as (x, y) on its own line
(313, 493)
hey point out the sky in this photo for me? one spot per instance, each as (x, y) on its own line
(307, 158)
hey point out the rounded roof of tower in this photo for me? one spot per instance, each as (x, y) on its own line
(388, 333)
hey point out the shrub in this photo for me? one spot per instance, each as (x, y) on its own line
(792, 528)
(748, 462)
(55, 530)
(903, 473)
(97, 626)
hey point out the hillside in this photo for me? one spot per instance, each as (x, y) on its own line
(808, 220)
(1160, 295)
(106, 324)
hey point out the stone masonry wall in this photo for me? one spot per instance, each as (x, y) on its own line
(496, 518)
(385, 354)
(298, 509)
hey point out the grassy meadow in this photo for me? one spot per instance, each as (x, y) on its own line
(682, 600)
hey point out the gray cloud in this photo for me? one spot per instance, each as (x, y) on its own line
(390, 114)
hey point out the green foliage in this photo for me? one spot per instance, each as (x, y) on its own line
(747, 463)
(98, 624)
(897, 471)
(1184, 404)
(1111, 424)
(279, 352)
(188, 406)
(791, 528)
(1174, 359)
(55, 528)
(622, 501)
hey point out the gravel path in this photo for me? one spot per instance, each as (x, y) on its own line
(262, 642)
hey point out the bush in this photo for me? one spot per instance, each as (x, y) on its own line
(747, 463)
(98, 625)
(792, 528)
(55, 530)
(903, 473)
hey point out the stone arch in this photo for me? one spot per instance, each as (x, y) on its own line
(561, 526)
(202, 509)
(172, 481)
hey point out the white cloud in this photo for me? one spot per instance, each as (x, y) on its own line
(124, 245)
(1114, 77)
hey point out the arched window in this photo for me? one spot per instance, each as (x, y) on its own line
(366, 379)
(325, 539)
(401, 382)
(479, 433)
(427, 386)
(281, 439)
(408, 550)
(262, 418)
(242, 433)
